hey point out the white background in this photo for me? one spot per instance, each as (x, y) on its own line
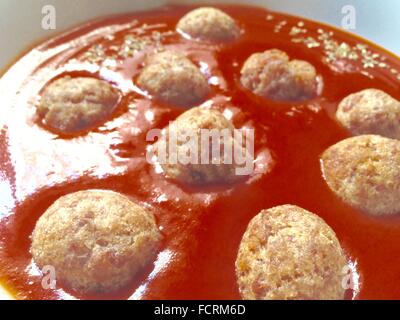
(20, 22)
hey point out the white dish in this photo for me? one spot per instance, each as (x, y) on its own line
(19, 36)
(375, 20)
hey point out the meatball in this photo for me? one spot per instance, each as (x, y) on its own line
(364, 172)
(209, 24)
(69, 105)
(174, 79)
(271, 75)
(370, 111)
(290, 253)
(196, 170)
(96, 240)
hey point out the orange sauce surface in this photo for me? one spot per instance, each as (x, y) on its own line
(202, 226)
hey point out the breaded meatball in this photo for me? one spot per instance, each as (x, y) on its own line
(271, 75)
(193, 122)
(209, 24)
(364, 171)
(290, 253)
(370, 111)
(69, 105)
(174, 79)
(96, 240)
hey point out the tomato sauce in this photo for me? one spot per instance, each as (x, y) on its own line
(202, 226)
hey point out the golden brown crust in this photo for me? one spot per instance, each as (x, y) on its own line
(69, 105)
(370, 111)
(364, 172)
(173, 78)
(96, 240)
(209, 24)
(289, 253)
(194, 120)
(270, 74)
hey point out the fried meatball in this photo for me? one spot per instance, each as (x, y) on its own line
(174, 79)
(69, 105)
(193, 122)
(209, 24)
(289, 253)
(96, 240)
(271, 75)
(364, 172)
(370, 111)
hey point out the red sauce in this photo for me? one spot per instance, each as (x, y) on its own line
(202, 226)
